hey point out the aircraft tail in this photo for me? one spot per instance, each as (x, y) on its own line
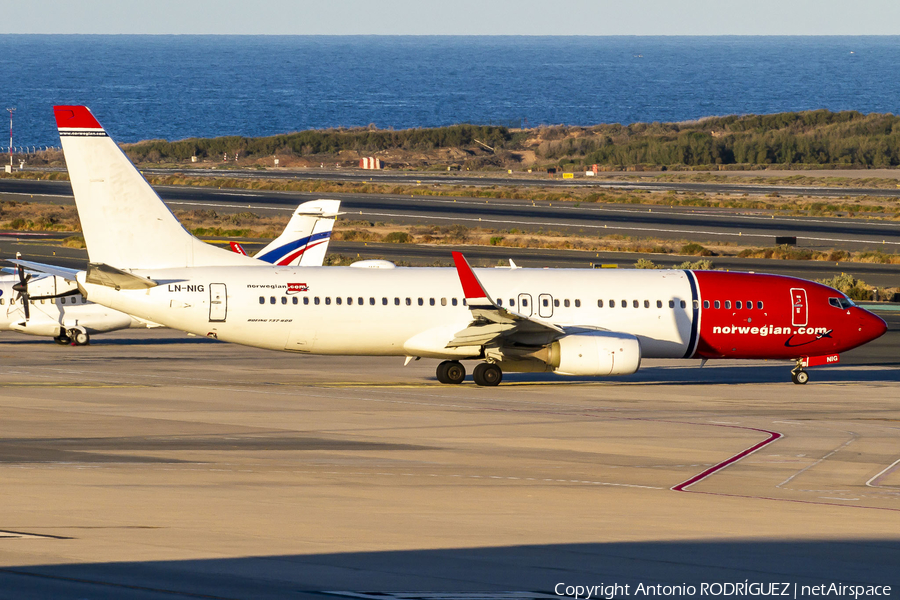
(125, 224)
(305, 239)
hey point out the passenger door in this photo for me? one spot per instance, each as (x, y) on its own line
(218, 307)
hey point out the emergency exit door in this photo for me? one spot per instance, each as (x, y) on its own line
(218, 306)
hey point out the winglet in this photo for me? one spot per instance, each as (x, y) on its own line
(236, 247)
(75, 117)
(472, 289)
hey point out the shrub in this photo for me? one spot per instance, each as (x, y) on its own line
(398, 237)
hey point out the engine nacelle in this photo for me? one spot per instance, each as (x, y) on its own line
(596, 353)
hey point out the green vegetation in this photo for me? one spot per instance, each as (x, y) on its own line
(327, 141)
(817, 137)
(699, 265)
(810, 139)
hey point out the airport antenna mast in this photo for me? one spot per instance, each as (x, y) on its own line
(11, 111)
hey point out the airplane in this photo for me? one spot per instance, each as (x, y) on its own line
(44, 305)
(567, 321)
(304, 240)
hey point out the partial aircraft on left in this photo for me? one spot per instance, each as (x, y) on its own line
(52, 306)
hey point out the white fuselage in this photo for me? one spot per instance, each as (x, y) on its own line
(403, 311)
(49, 316)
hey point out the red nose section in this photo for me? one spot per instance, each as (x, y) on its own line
(873, 325)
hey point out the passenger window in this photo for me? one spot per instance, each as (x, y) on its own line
(717, 304)
(547, 302)
(556, 303)
(577, 303)
(684, 304)
(646, 304)
(759, 304)
(706, 304)
(2, 301)
(453, 301)
(295, 300)
(371, 301)
(262, 300)
(431, 301)
(671, 304)
(599, 303)
(512, 302)
(316, 301)
(499, 301)
(525, 302)
(272, 300)
(635, 303)
(306, 300)
(284, 299)
(327, 300)
(696, 304)
(465, 303)
(337, 300)
(409, 301)
(362, 300)
(624, 303)
(612, 303)
(737, 304)
(421, 302)
(443, 302)
(566, 302)
(396, 301)
(349, 301)
(659, 304)
(749, 304)
(384, 301)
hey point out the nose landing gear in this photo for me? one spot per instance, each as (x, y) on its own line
(798, 375)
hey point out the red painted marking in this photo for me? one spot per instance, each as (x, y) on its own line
(773, 435)
(816, 361)
(235, 247)
(471, 286)
(75, 116)
(287, 259)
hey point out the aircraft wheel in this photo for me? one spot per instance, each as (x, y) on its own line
(441, 372)
(800, 377)
(62, 340)
(80, 338)
(487, 374)
(455, 372)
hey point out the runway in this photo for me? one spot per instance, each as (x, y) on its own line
(745, 227)
(155, 465)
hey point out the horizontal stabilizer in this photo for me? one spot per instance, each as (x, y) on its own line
(62, 272)
(108, 276)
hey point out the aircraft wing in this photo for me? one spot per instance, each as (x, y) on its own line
(490, 321)
(61, 272)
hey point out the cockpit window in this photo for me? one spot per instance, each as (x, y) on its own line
(841, 302)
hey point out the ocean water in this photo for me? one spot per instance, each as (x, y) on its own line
(173, 87)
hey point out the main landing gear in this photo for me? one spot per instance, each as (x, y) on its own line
(452, 371)
(72, 336)
(798, 375)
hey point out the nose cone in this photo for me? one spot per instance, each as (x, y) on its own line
(871, 325)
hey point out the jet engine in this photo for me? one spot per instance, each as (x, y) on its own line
(591, 353)
(596, 353)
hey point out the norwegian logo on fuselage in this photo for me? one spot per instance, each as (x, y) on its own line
(296, 288)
